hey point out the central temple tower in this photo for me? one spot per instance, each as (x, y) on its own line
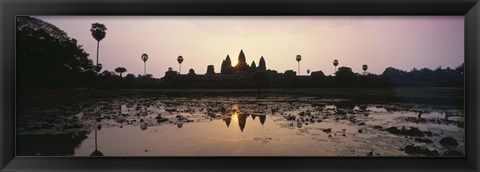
(242, 62)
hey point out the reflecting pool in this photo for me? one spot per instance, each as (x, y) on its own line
(220, 125)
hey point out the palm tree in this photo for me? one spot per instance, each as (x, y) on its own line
(364, 68)
(120, 70)
(180, 60)
(335, 63)
(96, 152)
(97, 68)
(145, 58)
(298, 58)
(98, 32)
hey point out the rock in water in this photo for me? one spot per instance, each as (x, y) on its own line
(449, 141)
(419, 150)
(144, 126)
(393, 130)
(408, 132)
(327, 130)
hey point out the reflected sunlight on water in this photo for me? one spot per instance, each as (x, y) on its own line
(244, 126)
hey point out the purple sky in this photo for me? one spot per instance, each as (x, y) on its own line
(402, 42)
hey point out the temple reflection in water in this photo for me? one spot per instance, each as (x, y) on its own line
(241, 118)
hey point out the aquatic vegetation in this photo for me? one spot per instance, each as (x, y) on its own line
(271, 124)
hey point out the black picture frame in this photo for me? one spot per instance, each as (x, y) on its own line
(10, 8)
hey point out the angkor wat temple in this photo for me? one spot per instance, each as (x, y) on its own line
(242, 66)
(241, 75)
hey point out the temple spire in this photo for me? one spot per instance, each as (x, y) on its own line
(228, 61)
(241, 57)
(242, 62)
(261, 64)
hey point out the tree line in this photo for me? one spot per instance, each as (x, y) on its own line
(47, 58)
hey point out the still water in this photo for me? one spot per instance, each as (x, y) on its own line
(273, 125)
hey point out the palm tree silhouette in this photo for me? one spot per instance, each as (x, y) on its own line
(335, 63)
(120, 70)
(228, 121)
(145, 58)
(97, 68)
(364, 68)
(96, 152)
(98, 32)
(180, 60)
(298, 58)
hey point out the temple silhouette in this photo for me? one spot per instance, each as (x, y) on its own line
(242, 67)
(242, 75)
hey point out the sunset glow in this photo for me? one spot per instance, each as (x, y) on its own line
(403, 42)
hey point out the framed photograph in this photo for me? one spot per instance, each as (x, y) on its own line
(240, 85)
